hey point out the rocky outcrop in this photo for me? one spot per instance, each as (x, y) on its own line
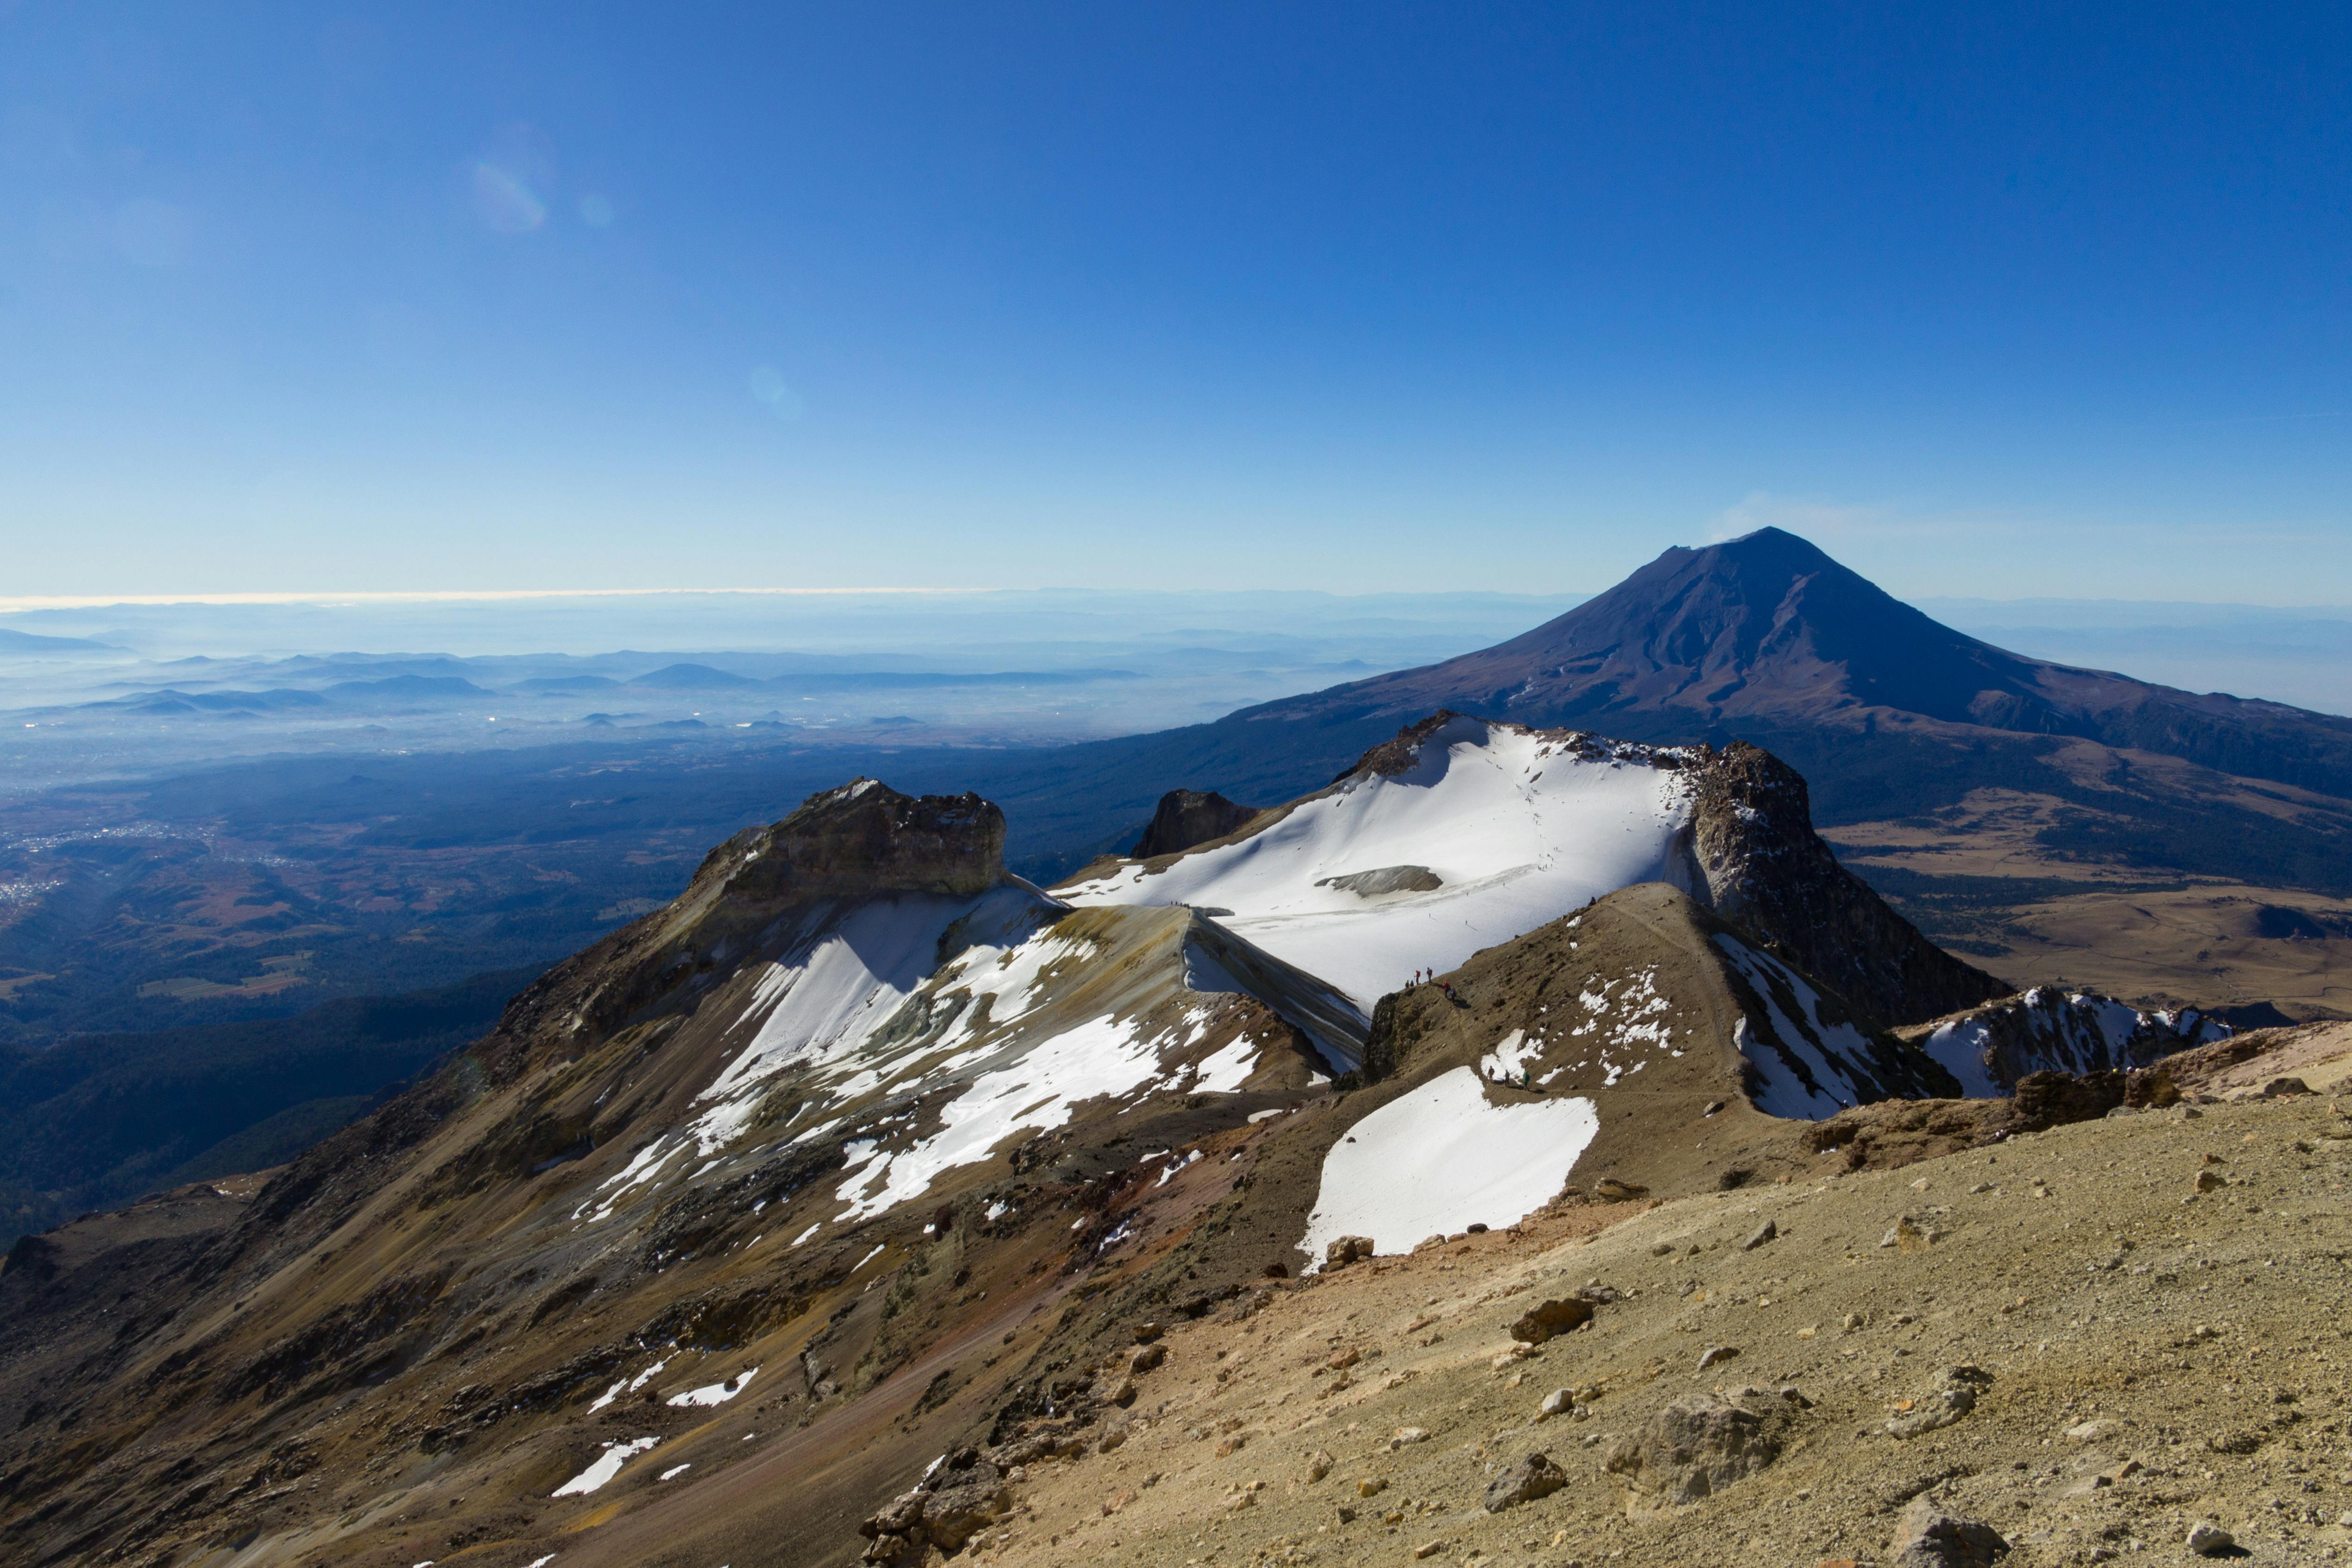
(1188, 818)
(862, 840)
(1991, 1048)
(1761, 866)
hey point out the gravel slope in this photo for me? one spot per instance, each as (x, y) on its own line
(2156, 1357)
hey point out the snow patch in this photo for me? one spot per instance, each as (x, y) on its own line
(1441, 1158)
(608, 1465)
(716, 1393)
(1104, 1057)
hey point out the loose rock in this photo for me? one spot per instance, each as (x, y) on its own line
(2210, 1539)
(1759, 1236)
(1346, 1251)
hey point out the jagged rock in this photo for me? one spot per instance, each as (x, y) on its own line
(1759, 1236)
(952, 1516)
(1386, 879)
(1187, 818)
(1698, 1445)
(1147, 1358)
(2089, 1041)
(1347, 1250)
(2055, 1098)
(1539, 1323)
(1926, 1537)
(1765, 868)
(1535, 1475)
(1559, 1402)
(1610, 1190)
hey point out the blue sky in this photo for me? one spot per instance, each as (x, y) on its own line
(1990, 300)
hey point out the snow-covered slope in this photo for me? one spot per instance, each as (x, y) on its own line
(1800, 1063)
(920, 1033)
(1487, 832)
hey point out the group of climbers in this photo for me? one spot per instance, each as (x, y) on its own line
(1427, 977)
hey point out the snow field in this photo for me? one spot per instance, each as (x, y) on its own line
(1520, 830)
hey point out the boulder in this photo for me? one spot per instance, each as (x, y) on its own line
(2210, 1539)
(1347, 1250)
(1927, 1537)
(952, 1516)
(1541, 1322)
(1535, 1475)
(1698, 1445)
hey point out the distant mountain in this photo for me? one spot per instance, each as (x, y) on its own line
(30, 643)
(1886, 712)
(1767, 626)
(405, 688)
(692, 677)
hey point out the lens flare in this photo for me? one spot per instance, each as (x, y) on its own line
(768, 385)
(505, 200)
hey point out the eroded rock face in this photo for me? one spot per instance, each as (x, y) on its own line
(1386, 879)
(1187, 818)
(1698, 1445)
(2001, 1045)
(948, 1508)
(866, 839)
(1764, 869)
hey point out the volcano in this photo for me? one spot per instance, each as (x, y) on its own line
(1765, 638)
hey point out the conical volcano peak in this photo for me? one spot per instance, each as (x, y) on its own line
(1763, 624)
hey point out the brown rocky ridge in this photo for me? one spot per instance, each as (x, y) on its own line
(865, 1199)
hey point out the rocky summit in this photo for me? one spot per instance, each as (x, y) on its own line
(1532, 1147)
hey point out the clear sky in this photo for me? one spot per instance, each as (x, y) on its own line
(1987, 300)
